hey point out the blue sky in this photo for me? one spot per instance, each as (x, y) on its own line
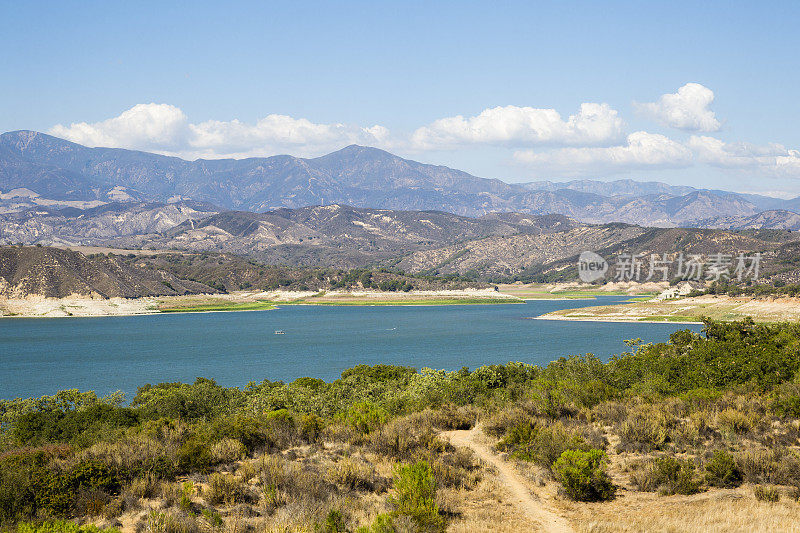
(470, 85)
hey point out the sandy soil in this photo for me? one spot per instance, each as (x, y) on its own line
(334, 296)
(38, 306)
(550, 291)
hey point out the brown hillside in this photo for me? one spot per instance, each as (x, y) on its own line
(57, 273)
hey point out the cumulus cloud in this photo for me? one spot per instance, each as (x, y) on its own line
(642, 150)
(165, 129)
(594, 124)
(773, 160)
(144, 126)
(686, 109)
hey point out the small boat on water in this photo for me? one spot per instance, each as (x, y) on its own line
(280, 332)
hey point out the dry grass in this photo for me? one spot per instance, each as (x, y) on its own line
(717, 510)
(725, 308)
(351, 474)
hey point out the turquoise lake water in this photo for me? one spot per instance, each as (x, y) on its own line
(42, 356)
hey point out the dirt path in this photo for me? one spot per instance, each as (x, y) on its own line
(521, 496)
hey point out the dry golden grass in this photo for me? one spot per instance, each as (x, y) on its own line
(715, 510)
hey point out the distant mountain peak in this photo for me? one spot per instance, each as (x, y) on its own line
(357, 150)
(66, 174)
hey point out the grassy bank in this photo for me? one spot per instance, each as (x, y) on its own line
(229, 306)
(404, 301)
(705, 426)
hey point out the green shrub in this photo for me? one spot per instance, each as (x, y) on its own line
(766, 494)
(280, 427)
(194, 456)
(203, 399)
(250, 431)
(542, 445)
(212, 518)
(786, 400)
(311, 427)
(381, 524)
(334, 522)
(583, 476)
(365, 417)
(722, 471)
(734, 421)
(668, 476)
(415, 495)
(31, 485)
(61, 526)
(39, 427)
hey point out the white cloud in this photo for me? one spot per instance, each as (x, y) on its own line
(166, 129)
(773, 160)
(686, 109)
(594, 124)
(577, 146)
(144, 126)
(642, 151)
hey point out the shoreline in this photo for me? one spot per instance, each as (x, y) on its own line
(86, 307)
(687, 310)
(643, 320)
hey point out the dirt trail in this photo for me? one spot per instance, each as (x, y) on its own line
(521, 496)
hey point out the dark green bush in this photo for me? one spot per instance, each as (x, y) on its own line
(203, 399)
(31, 484)
(195, 456)
(583, 475)
(786, 400)
(722, 471)
(250, 431)
(311, 427)
(334, 522)
(39, 427)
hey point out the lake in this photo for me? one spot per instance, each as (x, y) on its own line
(41, 356)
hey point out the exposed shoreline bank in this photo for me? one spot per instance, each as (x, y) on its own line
(84, 306)
(549, 316)
(689, 310)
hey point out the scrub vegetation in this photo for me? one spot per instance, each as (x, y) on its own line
(640, 442)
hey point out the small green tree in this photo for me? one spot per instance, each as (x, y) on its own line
(583, 475)
(722, 471)
(415, 489)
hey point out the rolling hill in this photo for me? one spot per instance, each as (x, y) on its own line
(57, 273)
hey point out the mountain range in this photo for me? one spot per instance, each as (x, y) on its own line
(497, 246)
(38, 170)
